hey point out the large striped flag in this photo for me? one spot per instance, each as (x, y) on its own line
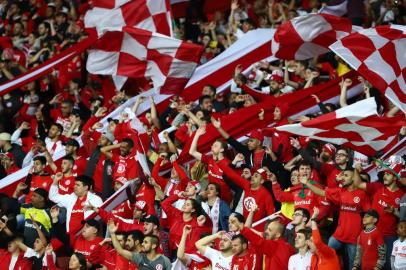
(379, 55)
(309, 35)
(152, 15)
(137, 53)
(356, 126)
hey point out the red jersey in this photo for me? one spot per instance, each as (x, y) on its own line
(21, 263)
(80, 166)
(123, 264)
(369, 242)
(123, 210)
(66, 185)
(281, 138)
(77, 215)
(170, 186)
(302, 198)
(351, 204)
(245, 262)
(177, 223)
(146, 193)
(261, 197)
(38, 181)
(331, 172)
(382, 198)
(215, 175)
(86, 247)
(124, 166)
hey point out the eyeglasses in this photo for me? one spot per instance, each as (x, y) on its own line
(297, 215)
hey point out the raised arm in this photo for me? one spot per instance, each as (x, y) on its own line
(217, 124)
(343, 94)
(182, 244)
(154, 113)
(120, 250)
(106, 150)
(202, 244)
(236, 178)
(313, 188)
(193, 147)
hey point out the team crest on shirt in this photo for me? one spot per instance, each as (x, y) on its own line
(92, 247)
(397, 200)
(248, 203)
(44, 185)
(356, 199)
(75, 167)
(159, 267)
(120, 168)
(67, 182)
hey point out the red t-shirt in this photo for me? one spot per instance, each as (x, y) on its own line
(38, 181)
(124, 166)
(331, 172)
(80, 166)
(66, 185)
(381, 198)
(351, 204)
(146, 193)
(282, 138)
(86, 247)
(215, 175)
(247, 261)
(369, 242)
(77, 215)
(123, 210)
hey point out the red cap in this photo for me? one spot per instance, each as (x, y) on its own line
(256, 134)
(120, 179)
(263, 173)
(145, 121)
(329, 148)
(141, 205)
(196, 184)
(277, 76)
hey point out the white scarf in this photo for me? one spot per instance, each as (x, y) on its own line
(213, 213)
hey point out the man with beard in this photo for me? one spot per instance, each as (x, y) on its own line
(385, 200)
(147, 260)
(52, 140)
(243, 258)
(37, 178)
(273, 240)
(220, 259)
(132, 244)
(352, 201)
(125, 162)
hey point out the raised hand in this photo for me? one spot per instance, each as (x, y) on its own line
(111, 226)
(201, 220)
(216, 123)
(187, 229)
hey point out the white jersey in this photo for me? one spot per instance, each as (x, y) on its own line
(399, 252)
(218, 261)
(299, 262)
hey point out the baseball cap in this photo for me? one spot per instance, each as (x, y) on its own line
(196, 184)
(329, 148)
(256, 134)
(111, 119)
(92, 222)
(72, 142)
(370, 212)
(4, 136)
(120, 179)
(277, 76)
(141, 205)
(152, 219)
(263, 173)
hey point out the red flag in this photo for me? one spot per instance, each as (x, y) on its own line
(356, 126)
(137, 53)
(379, 55)
(309, 35)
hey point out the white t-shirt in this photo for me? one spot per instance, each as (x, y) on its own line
(399, 252)
(13, 262)
(29, 253)
(299, 262)
(218, 261)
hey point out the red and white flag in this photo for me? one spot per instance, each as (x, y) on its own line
(137, 53)
(151, 15)
(356, 126)
(309, 35)
(379, 55)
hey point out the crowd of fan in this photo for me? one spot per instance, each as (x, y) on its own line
(200, 215)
